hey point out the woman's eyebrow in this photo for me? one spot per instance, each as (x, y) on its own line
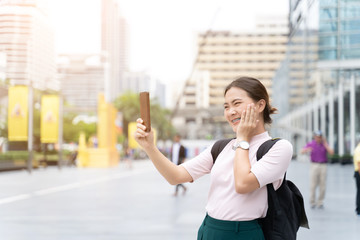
(234, 100)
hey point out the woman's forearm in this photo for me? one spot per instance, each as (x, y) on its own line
(174, 174)
(245, 180)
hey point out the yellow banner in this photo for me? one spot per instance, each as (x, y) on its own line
(49, 124)
(18, 113)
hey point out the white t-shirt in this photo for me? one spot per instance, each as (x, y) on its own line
(175, 153)
(224, 202)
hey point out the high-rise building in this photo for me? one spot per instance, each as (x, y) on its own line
(114, 44)
(226, 55)
(339, 33)
(222, 57)
(330, 80)
(82, 78)
(124, 49)
(2, 67)
(140, 81)
(27, 39)
(295, 79)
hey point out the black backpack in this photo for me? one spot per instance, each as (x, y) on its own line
(286, 211)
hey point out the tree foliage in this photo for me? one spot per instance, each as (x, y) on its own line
(129, 105)
(72, 131)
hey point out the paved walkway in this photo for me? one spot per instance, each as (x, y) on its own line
(120, 203)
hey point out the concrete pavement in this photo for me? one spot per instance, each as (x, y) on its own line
(120, 203)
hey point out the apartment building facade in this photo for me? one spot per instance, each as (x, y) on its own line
(82, 78)
(222, 57)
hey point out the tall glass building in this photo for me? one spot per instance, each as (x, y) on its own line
(339, 29)
(322, 71)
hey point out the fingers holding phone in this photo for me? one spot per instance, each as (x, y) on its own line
(144, 138)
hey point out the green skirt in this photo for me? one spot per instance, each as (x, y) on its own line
(214, 229)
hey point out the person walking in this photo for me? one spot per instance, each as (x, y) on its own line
(178, 154)
(318, 149)
(357, 177)
(238, 195)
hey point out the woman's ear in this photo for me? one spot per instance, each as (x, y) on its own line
(261, 104)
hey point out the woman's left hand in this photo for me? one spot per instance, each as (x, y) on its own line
(248, 123)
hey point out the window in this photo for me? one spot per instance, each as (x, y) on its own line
(327, 54)
(327, 41)
(328, 26)
(350, 39)
(350, 53)
(190, 120)
(328, 2)
(350, 11)
(328, 13)
(351, 25)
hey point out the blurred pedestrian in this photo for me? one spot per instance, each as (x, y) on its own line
(318, 149)
(178, 154)
(93, 141)
(73, 158)
(238, 195)
(129, 155)
(357, 177)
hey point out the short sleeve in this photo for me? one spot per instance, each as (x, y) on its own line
(200, 165)
(273, 165)
(309, 144)
(357, 154)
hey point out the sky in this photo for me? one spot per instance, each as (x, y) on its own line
(162, 32)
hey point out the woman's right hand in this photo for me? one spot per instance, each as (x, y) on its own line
(145, 139)
(248, 123)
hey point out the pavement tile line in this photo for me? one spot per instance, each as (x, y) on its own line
(67, 187)
(14, 198)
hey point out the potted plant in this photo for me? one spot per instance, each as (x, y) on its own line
(335, 158)
(346, 159)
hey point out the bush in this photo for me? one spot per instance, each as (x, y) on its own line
(334, 158)
(14, 155)
(346, 159)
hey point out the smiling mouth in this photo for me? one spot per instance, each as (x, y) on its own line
(235, 120)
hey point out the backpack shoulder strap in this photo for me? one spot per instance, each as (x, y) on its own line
(218, 147)
(265, 147)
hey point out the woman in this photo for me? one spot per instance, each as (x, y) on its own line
(238, 194)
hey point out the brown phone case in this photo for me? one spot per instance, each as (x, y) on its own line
(145, 110)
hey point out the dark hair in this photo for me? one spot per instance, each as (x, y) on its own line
(256, 91)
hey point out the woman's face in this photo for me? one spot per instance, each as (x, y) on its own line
(236, 100)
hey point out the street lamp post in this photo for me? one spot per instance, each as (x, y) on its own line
(60, 133)
(30, 128)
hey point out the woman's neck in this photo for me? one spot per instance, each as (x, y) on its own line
(259, 129)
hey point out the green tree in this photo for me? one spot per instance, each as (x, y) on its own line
(71, 132)
(129, 105)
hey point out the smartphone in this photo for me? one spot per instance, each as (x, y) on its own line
(145, 109)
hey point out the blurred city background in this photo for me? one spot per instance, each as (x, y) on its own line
(71, 72)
